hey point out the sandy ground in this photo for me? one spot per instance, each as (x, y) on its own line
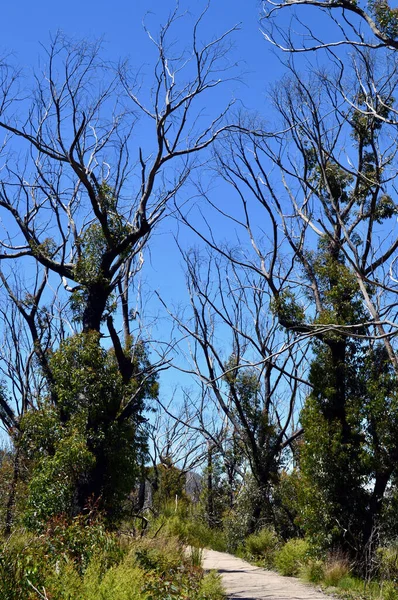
(244, 581)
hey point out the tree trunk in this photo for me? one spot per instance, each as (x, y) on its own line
(95, 305)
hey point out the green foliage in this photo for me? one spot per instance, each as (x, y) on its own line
(80, 540)
(342, 303)
(335, 569)
(385, 16)
(387, 558)
(292, 556)
(288, 501)
(312, 570)
(189, 528)
(389, 591)
(20, 564)
(196, 556)
(169, 484)
(93, 243)
(52, 488)
(287, 309)
(263, 545)
(6, 473)
(112, 568)
(81, 448)
(211, 587)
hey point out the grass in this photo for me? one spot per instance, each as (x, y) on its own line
(145, 569)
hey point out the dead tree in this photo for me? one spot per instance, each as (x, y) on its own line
(72, 203)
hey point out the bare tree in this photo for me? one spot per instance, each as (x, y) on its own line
(236, 352)
(374, 25)
(71, 206)
(319, 211)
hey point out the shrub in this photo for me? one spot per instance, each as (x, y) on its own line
(196, 556)
(389, 591)
(190, 531)
(336, 567)
(235, 525)
(80, 539)
(149, 569)
(22, 564)
(291, 557)
(388, 562)
(211, 587)
(263, 545)
(312, 571)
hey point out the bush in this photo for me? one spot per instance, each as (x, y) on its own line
(389, 591)
(388, 562)
(211, 587)
(292, 556)
(190, 531)
(336, 568)
(22, 564)
(263, 545)
(312, 571)
(235, 525)
(148, 569)
(125, 581)
(80, 539)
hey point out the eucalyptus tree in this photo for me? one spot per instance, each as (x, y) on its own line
(318, 206)
(372, 25)
(81, 190)
(72, 203)
(247, 367)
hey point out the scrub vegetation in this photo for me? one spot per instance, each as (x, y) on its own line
(283, 447)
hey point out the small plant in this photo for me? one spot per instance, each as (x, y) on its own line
(313, 571)
(389, 591)
(336, 567)
(196, 556)
(211, 587)
(235, 525)
(263, 545)
(388, 562)
(21, 566)
(291, 557)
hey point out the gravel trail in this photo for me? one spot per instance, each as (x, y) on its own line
(247, 582)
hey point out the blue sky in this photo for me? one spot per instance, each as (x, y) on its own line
(24, 25)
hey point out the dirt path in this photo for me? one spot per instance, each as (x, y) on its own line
(244, 581)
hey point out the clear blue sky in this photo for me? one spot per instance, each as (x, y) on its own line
(26, 24)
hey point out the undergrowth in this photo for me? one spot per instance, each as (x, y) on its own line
(65, 565)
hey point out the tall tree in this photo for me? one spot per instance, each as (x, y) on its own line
(235, 350)
(77, 218)
(323, 243)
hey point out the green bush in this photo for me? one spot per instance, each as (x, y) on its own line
(211, 587)
(22, 565)
(292, 556)
(312, 571)
(125, 581)
(196, 556)
(147, 569)
(388, 562)
(389, 591)
(80, 539)
(235, 525)
(263, 545)
(190, 531)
